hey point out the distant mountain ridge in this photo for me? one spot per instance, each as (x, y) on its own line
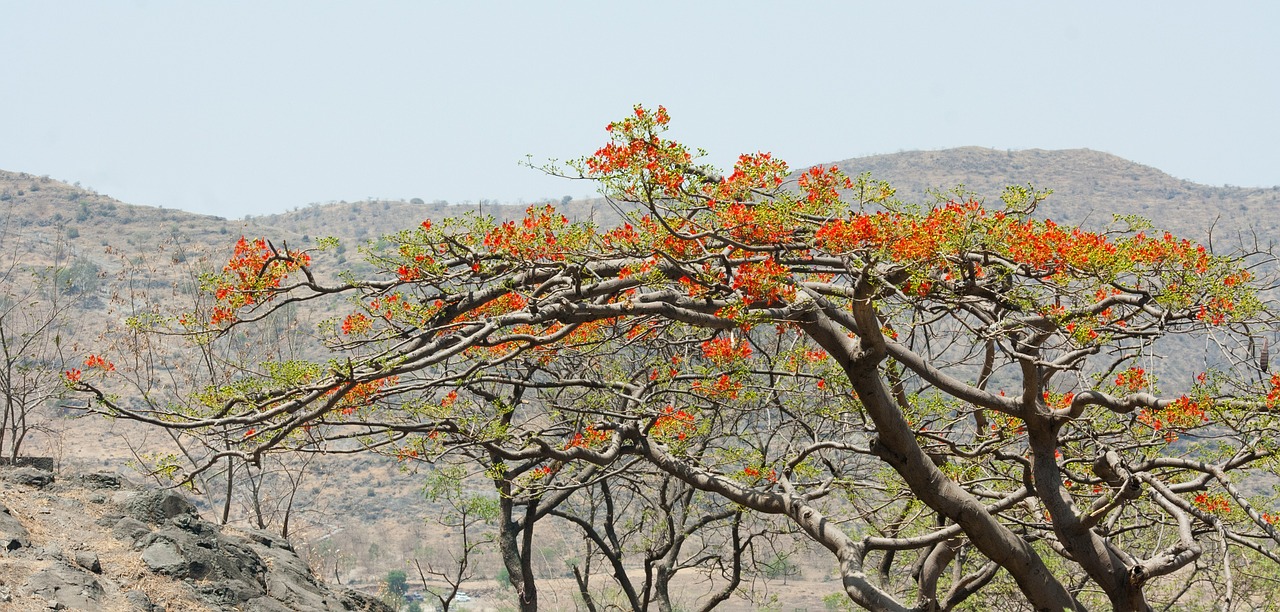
(1089, 186)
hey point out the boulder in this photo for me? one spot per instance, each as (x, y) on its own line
(101, 480)
(88, 560)
(13, 535)
(163, 557)
(156, 506)
(139, 602)
(130, 529)
(66, 585)
(29, 476)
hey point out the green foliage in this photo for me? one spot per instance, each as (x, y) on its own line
(80, 277)
(396, 582)
(503, 577)
(837, 602)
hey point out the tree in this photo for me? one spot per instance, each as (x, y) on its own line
(466, 515)
(394, 587)
(954, 398)
(396, 582)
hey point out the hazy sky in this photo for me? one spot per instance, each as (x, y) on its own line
(235, 108)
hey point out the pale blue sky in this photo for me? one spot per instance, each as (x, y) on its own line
(236, 108)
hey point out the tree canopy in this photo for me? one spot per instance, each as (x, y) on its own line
(955, 398)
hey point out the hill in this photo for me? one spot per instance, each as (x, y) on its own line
(1089, 186)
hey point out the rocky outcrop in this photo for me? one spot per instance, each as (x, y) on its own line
(94, 542)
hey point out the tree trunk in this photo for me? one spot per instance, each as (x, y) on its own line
(896, 445)
(517, 562)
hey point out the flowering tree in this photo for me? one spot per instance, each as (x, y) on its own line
(958, 388)
(163, 368)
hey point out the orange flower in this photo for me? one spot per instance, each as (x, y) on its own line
(94, 361)
(723, 351)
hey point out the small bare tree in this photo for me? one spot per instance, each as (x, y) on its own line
(35, 307)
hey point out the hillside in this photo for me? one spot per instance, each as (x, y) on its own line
(1088, 187)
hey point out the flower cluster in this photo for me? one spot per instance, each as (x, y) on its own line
(356, 323)
(724, 387)
(587, 438)
(394, 305)
(541, 472)
(364, 394)
(673, 423)
(1058, 401)
(821, 187)
(536, 238)
(725, 351)
(638, 159)
(764, 282)
(1184, 413)
(1215, 504)
(1134, 379)
(902, 237)
(97, 362)
(754, 474)
(507, 303)
(1273, 396)
(808, 357)
(254, 270)
(621, 237)
(755, 224)
(752, 172)
(1216, 310)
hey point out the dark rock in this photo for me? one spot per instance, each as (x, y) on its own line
(88, 560)
(228, 593)
(231, 569)
(13, 535)
(139, 602)
(70, 586)
(290, 584)
(157, 506)
(164, 557)
(266, 604)
(101, 480)
(356, 601)
(41, 463)
(108, 520)
(130, 529)
(193, 524)
(28, 476)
